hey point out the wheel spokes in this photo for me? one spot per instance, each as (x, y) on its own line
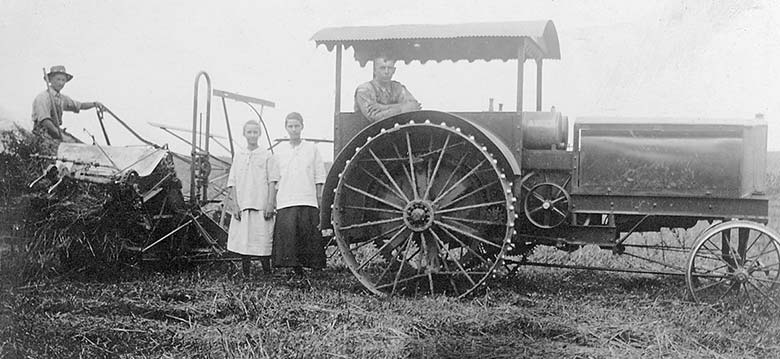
(766, 266)
(469, 174)
(731, 287)
(457, 262)
(719, 255)
(467, 195)
(431, 258)
(464, 245)
(369, 195)
(436, 168)
(473, 206)
(373, 209)
(726, 242)
(474, 221)
(411, 166)
(452, 174)
(449, 224)
(392, 242)
(538, 196)
(403, 167)
(705, 287)
(770, 281)
(387, 173)
(720, 269)
(400, 196)
(402, 262)
(467, 234)
(764, 294)
(372, 223)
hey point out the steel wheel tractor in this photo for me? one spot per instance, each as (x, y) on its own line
(438, 202)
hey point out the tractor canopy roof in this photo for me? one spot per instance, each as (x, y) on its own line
(454, 42)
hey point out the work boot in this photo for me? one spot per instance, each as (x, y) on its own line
(265, 262)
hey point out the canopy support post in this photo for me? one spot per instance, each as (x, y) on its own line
(338, 80)
(520, 73)
(517, 132)
(337, 107)
(538, 84)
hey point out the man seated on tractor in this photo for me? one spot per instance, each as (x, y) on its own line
(48, 105)
(382, 97)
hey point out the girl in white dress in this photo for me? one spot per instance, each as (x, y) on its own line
(251, 230)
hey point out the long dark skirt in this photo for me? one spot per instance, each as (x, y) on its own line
(297, 240)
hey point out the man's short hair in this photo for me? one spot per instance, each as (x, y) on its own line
(250, 123)
(385, 56)
(293, 116)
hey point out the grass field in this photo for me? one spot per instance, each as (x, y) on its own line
(212, 311)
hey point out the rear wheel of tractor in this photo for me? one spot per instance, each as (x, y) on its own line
(734, 264)
(422, 208)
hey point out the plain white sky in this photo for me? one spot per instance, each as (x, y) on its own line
(695, 58)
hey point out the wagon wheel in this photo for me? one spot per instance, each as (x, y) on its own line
(547, 205)
(422, 208)
(735, 263)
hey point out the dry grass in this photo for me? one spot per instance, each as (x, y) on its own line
(212, 312)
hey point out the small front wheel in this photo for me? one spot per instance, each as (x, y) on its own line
(736, 263)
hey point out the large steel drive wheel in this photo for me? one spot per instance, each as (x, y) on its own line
(422, 208)
(736, 263)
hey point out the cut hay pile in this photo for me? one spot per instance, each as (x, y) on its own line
(80, 226)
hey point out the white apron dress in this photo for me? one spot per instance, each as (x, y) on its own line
(253, 234)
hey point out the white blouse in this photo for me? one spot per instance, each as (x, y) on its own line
(249, 176)
(297, 169)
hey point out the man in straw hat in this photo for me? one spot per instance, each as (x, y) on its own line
(49, 105)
